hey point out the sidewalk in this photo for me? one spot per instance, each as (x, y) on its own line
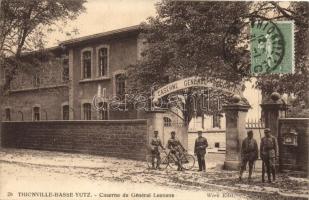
(123, 170)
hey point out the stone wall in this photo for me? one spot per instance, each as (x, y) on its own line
(294, 157)
(121, 138)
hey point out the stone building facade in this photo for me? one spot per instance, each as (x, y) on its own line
(63, 87)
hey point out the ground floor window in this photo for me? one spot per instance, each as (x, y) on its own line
(36, 114)
(87, 111)
(103, 114)
(167, 122)
(65, 112)
(7, 114)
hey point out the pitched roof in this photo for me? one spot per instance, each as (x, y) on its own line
(100, 35)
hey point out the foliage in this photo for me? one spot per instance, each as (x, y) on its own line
(186, 39)
(211, 39)
(24, 25)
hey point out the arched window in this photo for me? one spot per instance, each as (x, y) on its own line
(167, 121)
(87, 111)
(103, 114)
(36, 114)
(65, 112)
(7, 114)
(102, 62)
(120, 85)
(86, 58)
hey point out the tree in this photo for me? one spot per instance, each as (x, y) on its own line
(211, 39)
(186, 39)
(24, 25)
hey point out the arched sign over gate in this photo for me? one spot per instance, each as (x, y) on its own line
(193, 82)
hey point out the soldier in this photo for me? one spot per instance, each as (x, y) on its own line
(200, 150)
(176, 148)
(155, 153)
(268, 153)
(249, 154)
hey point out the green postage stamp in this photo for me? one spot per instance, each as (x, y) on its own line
(272, 47)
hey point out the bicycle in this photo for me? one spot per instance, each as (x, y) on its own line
(170, 159)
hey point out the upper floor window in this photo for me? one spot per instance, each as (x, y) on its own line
(65, 68)
(7, 114)
(103, 114)
(65, 112)
(86, 64)
(120, 85)
(216, 121)
(36, 114)
(87, 111)
(103, 62)
(167, 121)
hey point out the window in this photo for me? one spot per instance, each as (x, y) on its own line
(65, 112)
(87, 111)
(102, 61)
(216, 121)
(36, 80)
(65, 68)
(120, 85)
(36, 114)
(86, 62)
(217, 145)
(7, 114)
(103, 115)
(6, 76)
(167, 122)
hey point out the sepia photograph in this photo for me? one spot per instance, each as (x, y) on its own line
(154, 100)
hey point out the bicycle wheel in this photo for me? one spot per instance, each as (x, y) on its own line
(164, 162)
(187, 161)
(149, 160)
(173, 161)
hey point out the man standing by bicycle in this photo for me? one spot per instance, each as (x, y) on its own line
(176, 149)
(155, 153)
(200, 150)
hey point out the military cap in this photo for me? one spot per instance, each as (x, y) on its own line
(266, 130)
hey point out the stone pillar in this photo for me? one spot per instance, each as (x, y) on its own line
(271, 112)
(235, 115)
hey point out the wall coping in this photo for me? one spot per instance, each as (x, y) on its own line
(37, 88)
(286, 119)
(134, 121)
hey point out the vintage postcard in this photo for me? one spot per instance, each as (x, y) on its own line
(154, 99)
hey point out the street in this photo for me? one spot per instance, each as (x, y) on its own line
(29, 174)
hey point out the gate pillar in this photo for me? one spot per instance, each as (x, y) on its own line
(235, 114)
(273, 108)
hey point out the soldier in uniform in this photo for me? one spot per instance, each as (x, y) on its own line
(200, 150)
(176, 148)
(249, 154)
(268, 153)
(155, 144)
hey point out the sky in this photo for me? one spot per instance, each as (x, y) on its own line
(106, 15)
